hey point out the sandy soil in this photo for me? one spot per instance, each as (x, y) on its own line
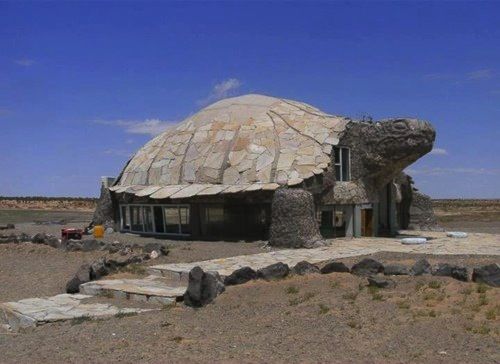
(317, 318)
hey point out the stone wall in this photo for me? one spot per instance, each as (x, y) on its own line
(104, 213)
(422, 213)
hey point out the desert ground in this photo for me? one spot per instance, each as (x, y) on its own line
(314, 318)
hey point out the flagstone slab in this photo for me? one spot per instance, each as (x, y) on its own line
(32, 312)
(151, 289)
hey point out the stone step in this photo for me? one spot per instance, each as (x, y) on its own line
(152, 289)
(32, 312)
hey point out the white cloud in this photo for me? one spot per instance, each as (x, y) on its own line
(151, 127)
(438, 76)
(459, 78)
(439, 171)
(25, 62)
(438, 151)
(118, 152)
(222, 90)
(483, 74)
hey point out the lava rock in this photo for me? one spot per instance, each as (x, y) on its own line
(23, 237)
(367, 267)
(302, 268)
(81, 276)
(488, 274)
(89, 245)
(73, 245)
(240, 276)
(99, 269)
(203, 287)
(12, 238)
(396, 270)
(448, 270)
(422, 266)
(150, 247)
(116, 263)
(334, 267)
(39, 238)
(53, 242)
(381, 282)
(274, 271)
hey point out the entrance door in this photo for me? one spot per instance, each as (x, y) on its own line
(327, 228)
(367, 222)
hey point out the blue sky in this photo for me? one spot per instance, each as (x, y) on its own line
(84, 85)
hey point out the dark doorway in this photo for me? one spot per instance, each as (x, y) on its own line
(367, 222)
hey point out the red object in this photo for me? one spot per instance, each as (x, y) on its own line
(71, 233)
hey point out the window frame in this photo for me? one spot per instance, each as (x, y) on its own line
(151, 207)
(340, 150)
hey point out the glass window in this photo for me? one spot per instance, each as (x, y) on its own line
(136, 219)
(214, 220)
(148, 219)
(172, 219)
(125, 218)
(184, 220)
(342, 163)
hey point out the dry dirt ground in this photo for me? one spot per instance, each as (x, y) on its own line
(316, 318)
(480, 216)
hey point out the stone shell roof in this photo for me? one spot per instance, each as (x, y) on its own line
(245, 141)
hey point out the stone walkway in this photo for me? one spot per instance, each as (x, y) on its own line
(438, 244)
(33, 312)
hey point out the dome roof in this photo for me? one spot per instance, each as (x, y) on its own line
(239, 141)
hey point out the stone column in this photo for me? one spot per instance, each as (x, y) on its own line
(293, 221)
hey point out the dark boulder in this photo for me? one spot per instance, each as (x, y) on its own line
(10, 226)
(381, 282)
(334, 267)
(39, 238)
(99, 269)
(422, 266)
(396, 270)
(89, 245)
(53, 242)
(203, 287)
(240, 276)
(488, 274)
(274, 271)
(10, 239)
(302, 268)
(151, 247)
(23, 238)
(448, 270)
(73, 245)
(81, 276)
(367, 267)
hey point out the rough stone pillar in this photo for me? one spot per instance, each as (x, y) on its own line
(103, 213)
(293, 224)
